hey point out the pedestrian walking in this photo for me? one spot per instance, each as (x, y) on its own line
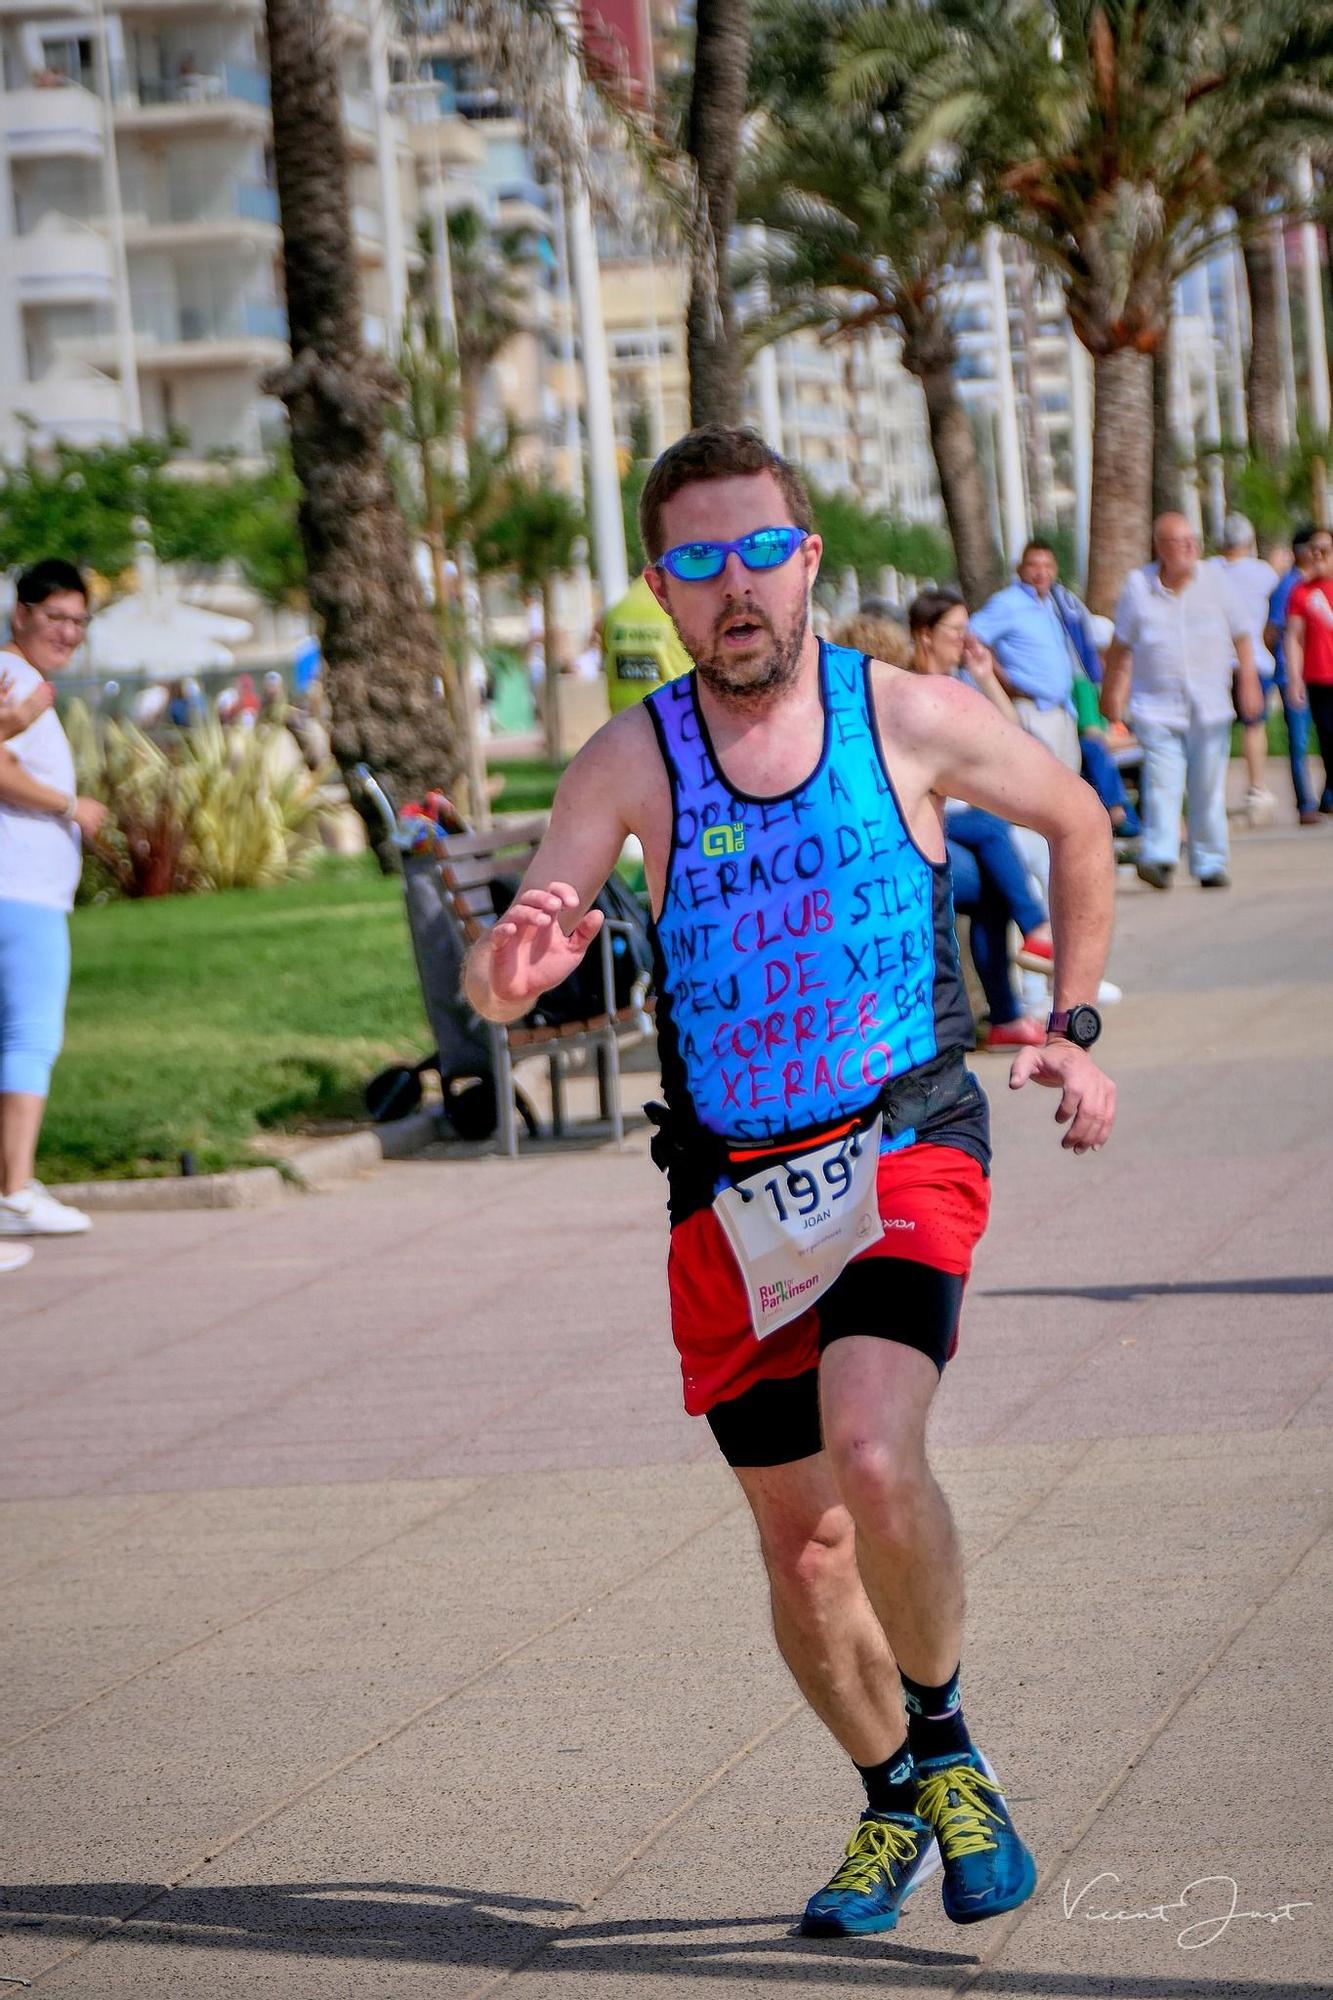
(1178, 635)
(1037, 630)
(1295, 702)
(1252, 581)
(826, 1146)
(1309, 648)
(42, 824)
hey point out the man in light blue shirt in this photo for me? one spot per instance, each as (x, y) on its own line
(1028, 628)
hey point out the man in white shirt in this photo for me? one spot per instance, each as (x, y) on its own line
(1178, 631)
(1252, 582)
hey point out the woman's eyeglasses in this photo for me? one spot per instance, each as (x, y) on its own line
(73, 621)
(699, 562)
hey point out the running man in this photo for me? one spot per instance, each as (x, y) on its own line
(826, 1146)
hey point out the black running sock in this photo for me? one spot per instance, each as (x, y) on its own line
(890, 1786)
(935, 1725)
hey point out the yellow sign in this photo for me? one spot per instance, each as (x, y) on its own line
(640, 647)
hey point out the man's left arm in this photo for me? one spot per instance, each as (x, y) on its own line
(977, 756)
(1249, 687)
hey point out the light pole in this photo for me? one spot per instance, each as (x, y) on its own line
(123, 311)
(1080, 445)
(1316, 339)
(470, 648)
(1012, 500)
(574, 471)
(1278, 239)
(608, 521)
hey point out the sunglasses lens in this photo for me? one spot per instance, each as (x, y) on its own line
(768, 547)
(695, 562)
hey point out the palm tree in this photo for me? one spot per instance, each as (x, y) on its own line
(1167, 483)
(1120, 128)
(713, 141)
(856, 238)
(490, 300)
(1260, 248)
(381, 652)
(535, 534)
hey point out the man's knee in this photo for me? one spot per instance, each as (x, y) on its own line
(811, 1562)
(884, 1485)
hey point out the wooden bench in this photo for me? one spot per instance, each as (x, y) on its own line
(468, 864)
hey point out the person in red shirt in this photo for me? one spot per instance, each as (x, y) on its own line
(1309, 644)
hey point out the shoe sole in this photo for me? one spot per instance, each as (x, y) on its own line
(45, 1229)
(873, 1926)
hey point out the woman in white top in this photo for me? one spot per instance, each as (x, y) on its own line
(42, 825)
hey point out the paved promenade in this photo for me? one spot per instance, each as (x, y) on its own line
(375, 1624)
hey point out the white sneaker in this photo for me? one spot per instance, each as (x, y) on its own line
(34, 1212)
(1108, 993)
(13, 1256)
(1260, 806)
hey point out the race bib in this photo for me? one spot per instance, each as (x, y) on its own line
(793, 1225)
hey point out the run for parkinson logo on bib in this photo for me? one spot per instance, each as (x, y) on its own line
(780, 1293)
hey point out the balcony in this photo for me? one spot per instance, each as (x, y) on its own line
(190, 216)
(76, 405)
(359, 123)
(39, 10)
(227, 93)
(176, 337)
(59, 263)
(61, 123)
(368, 232)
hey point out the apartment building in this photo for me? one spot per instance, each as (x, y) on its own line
(1042, 360)
(140, 276)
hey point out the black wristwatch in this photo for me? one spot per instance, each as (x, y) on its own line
(1080, 1025)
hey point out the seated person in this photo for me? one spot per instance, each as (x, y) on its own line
(990, 882)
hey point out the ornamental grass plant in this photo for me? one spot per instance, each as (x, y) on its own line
(210, 808)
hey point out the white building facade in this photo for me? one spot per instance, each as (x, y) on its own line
(140, 273)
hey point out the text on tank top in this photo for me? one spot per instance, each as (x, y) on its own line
(806, 946)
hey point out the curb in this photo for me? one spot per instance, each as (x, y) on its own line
(322, 1164)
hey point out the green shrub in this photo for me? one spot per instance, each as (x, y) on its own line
(216, 809)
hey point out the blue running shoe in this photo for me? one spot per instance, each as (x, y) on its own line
(987, 1869)
(888, 1856)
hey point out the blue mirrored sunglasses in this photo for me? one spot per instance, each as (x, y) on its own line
(766, 548)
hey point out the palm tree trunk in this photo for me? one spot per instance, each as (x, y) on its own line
(929, 357)
(1122, 461)
(382, 658)
(1167, 484)
(717, 111)
(1263, 374)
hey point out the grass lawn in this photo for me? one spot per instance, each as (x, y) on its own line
(196, 1022)
(529, 784)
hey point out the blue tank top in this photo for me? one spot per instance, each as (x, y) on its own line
(806, 952)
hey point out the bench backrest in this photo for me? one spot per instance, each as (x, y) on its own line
(469, 863)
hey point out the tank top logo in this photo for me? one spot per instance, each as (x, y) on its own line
(715, 841)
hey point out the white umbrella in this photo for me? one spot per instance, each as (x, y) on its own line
(164, 637)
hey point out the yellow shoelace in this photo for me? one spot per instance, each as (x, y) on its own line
(875, 1846)
(953, 1803)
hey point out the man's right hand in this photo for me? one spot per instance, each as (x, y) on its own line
(530, 952)
(88, 815)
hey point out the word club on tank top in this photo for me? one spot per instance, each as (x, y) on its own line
(806, 946)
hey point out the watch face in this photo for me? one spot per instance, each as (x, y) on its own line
(1085, 1025)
